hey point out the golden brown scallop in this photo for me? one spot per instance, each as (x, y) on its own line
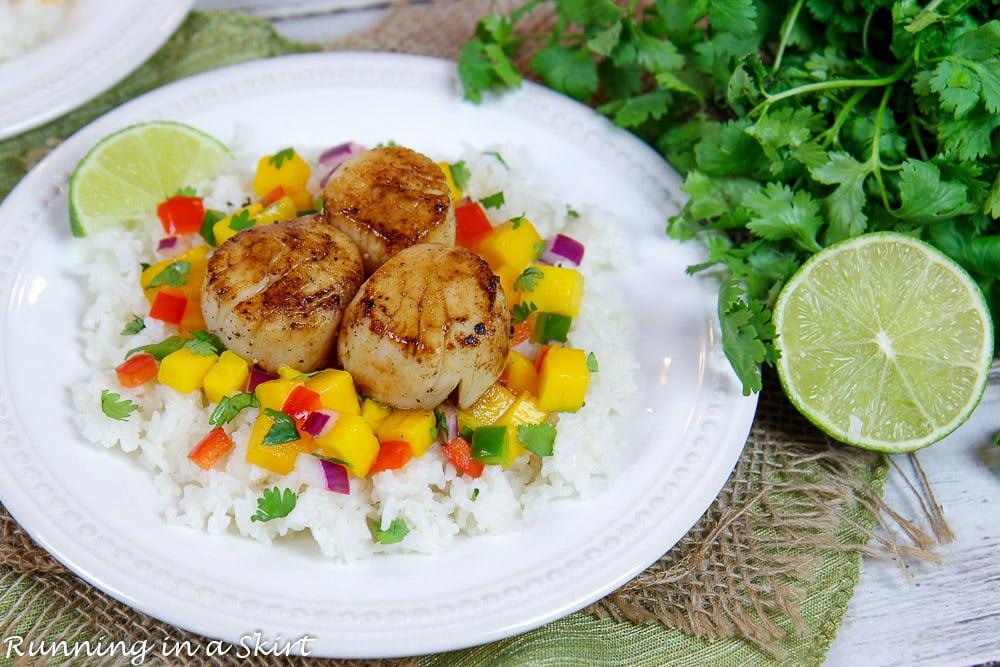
(431, 319)
(275, 294)
(389, 198)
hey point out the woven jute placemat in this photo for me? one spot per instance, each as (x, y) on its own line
(769, 568)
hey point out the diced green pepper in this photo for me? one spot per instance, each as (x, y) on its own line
(489, 444)
(550, 327)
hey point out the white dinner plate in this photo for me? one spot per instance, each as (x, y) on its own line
(99, 43)
(97, 512)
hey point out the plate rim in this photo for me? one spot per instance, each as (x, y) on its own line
(433, 68)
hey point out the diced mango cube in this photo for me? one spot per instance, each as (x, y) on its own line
(278, 458)
(282, 209)
(226, 377)
(524, 410)
(456, 193)
(563, 378)
(374, 412)
(417, 427)
(352, 441)
(185, 370)
(336, 390)
(558, 289)
(521, 373)
(514, 243)
(285, 169)
(243, 218)
(488, 407)
(273, 393)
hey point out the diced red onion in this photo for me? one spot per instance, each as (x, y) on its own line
(450, 422)
(332, 158)
(319, 422)
(336, 476)
(561, 250)
(257, 376)
(166, 243)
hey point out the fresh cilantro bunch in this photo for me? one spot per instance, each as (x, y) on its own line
(795, 124)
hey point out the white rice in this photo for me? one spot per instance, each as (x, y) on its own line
(437, 504)
(26, 23)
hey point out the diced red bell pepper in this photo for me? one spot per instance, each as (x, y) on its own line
(168, 305)
(300, 402)
(542, 351)
(522, 331)
(459, 453)
(392, 455)
(136, 370)
(181, 214)
(471, 224)
(211, 448)
(272, 196)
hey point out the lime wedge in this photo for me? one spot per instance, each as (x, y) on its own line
(126, 174)
(885, 342)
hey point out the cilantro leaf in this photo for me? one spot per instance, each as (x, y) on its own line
(528, 280)
(746, 329)
(134, 326)
(537, 438)
(279, 158)
(925, 197)
(241, 220)
(781, 213)
(274, 504)
(174, 274)
(519, 312)
(204, 343)
(159, 350)
(230, 406)
(460, 174)
(116, 407)
(495, 200)
(282, 430)
(567, 70)
(396, 531)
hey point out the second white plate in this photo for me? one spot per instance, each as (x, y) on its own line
(98, 44)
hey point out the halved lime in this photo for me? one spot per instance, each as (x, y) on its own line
(127, 173)
(885, 342)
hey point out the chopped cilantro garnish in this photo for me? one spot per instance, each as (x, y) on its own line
(528, 279)
(134, 326)
(116, 407)
(396, 531)
(187, 191)
(279, 158)
(521, 311)
(537, 438)
(498, 157)
(204, 343)
(592, 363)
(230, 406)
(274, 504)
(161, 349)
(460, 174)
(241, 220)
(495, 200)
(282, 430)
(174, 274)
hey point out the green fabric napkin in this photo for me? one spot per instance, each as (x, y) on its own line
(31, 605)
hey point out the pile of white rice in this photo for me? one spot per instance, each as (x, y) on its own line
(436, 503)
(26, 23)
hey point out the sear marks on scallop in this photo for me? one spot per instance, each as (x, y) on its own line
(387, 199)
(275, 294)
(432, 319)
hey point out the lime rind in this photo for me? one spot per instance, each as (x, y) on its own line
(886, 355)
(127, 173)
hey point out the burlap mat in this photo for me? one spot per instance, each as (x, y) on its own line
(764, 577)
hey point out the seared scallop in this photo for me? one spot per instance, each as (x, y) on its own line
(275, 294)
(387, 199)
(430, 320)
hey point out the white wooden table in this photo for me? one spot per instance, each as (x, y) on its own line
(945, 614)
